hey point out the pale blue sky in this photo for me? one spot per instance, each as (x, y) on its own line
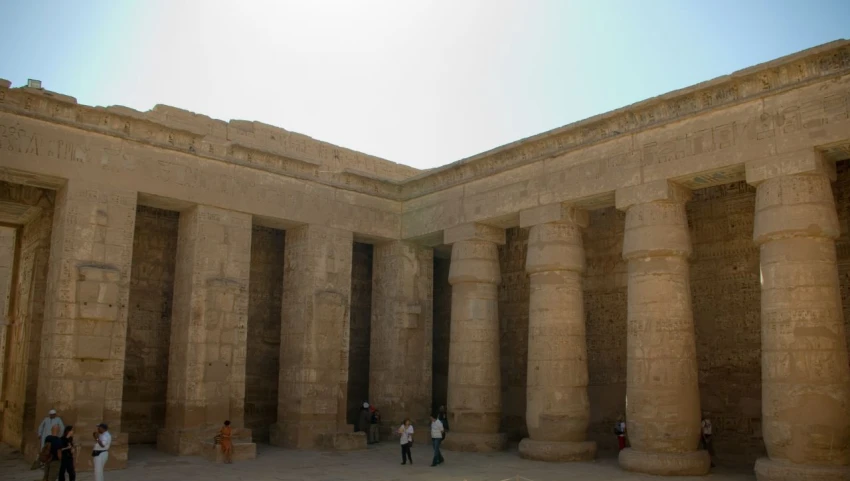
(421, 83)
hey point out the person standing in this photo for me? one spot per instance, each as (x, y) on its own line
(405, 432)
(100, 453)
(437, 433)
(46, 426)
(443, 417)
(226, 440)
(54, 443)
(363, 419)
(620, 431)
(374, 426)
(706, 436)
(68, 464)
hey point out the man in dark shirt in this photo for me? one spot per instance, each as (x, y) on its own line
(51, 469)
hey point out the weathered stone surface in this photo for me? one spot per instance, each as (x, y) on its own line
(78, 345)
(558, 410)
(265, 291)
(206, 367)
(663, 408)
(83, 339)
(400, 365)
(805, 371)
(314, 337)
(474, 395)
(149, 323)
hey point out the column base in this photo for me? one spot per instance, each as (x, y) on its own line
(557, 451)
(191, 441)
(694, 463)
(241, 452)
(475, 442)
(315, 436)
(778, 470)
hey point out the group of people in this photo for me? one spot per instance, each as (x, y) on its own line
(439, 426)
(705, 435)
(369, 422)
(59, 453)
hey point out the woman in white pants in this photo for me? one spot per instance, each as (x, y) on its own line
(100, 454)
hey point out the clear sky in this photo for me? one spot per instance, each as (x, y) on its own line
(417, 82)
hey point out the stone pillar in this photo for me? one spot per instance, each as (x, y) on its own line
(315, 315)
(558, 409)
(81, 373)
(805, 374)
(401, 334)
(475, 394)
(8, 242)
(206, 361)
(662, 390)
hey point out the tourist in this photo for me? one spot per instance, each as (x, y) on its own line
(46, 426)
(374, 426)
(405, 432)
(68, 463)
(437, 433)
(100, 453)
(444, 418)
(225, 436)
(705, 440)
(363, 420)
(620, 431)
(53, 446)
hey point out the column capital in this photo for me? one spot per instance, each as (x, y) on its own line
(656, 191)
(474, 231)
(800, 162)
(553, 213)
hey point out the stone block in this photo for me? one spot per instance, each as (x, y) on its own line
(558, 212)
(474, 231)
(659, 190)
(806, 161)
(343, 441)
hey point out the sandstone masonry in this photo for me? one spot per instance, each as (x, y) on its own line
(164, 271)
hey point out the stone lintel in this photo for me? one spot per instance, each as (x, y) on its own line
(806, 161)
(659, 190)
(474, 231)
(550, 213)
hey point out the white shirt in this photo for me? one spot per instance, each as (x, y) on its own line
(46, 426)
(706, 427)
(406, 434)
(436, 429)
(105, 439)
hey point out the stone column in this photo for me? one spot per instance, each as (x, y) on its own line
(401, 334)
(81, 373)
(805, 375)
(558, 409)
(206, 363)
(315, 317)
(8, 242)
(475, 397)
(662, 390)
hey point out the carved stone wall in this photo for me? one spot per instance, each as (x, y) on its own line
(841, 190)
(605, 305)
(441, 333)
(726, 299)
(361, 320)
(149, 323)
(513, 324)
(26, 315)
(265, 289)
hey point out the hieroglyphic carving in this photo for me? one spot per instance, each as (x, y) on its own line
(726, 307)
(149, 323)
(359, 340)
(513, 339)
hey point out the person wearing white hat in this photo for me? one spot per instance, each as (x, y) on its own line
(46, 426)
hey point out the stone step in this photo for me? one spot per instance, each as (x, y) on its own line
(241, 452)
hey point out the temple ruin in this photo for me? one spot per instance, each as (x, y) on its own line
(164, 271)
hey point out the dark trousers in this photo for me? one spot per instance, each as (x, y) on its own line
(438, 456)
(405, 451)
(67, 467)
